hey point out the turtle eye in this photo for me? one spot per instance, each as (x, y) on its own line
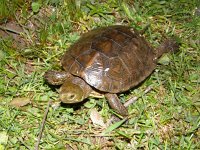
(71, 96)
(68, 97)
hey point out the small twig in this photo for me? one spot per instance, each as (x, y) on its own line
(9, 30)
(42, 126)
(135, 98)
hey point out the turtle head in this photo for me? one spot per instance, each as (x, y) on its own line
(71, 92)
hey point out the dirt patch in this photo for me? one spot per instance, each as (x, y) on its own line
(11, 30)
(24, 35)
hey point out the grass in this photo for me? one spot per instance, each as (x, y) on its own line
(168, 117)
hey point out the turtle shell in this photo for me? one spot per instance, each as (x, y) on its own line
(111, 59)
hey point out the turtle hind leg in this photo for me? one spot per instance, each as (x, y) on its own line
(115, 104)
(56, 77)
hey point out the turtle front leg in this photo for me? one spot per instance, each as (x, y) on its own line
(115, 104)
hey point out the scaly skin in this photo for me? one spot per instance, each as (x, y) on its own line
(75, 89)
(56, 77)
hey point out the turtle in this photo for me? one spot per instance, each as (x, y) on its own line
(106, 60)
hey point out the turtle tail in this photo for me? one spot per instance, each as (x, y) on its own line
(169, 45)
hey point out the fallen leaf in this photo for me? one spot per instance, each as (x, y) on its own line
(20, 101)
(96, 118)
(3, 137)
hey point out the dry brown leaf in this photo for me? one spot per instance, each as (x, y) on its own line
(20, 101)
(96, 118)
